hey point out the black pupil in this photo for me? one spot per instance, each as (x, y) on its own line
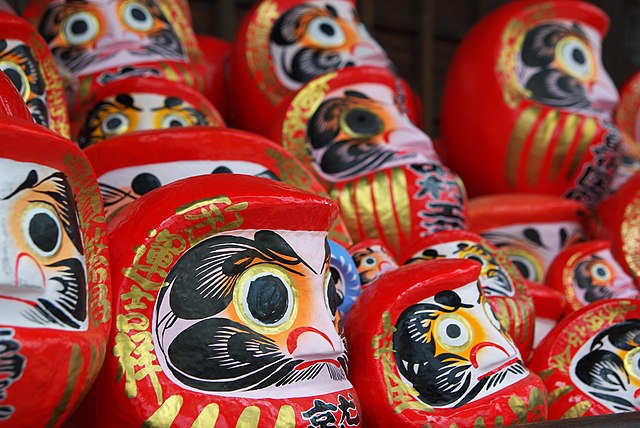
(453, 331)
(370, 261)
(15, 78)
(79, 27)
(175, 123)
(601, 272)
(267, 299)
(524, 270)
(363, 122)
(114, 123)
(44, 232)
(334, 298)
(144, 183)
(138, 14)
(327, 29)
(222, 170)
(578, 56)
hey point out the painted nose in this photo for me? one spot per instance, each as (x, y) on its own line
(604, 95)
(309, 343)
(408, 138)
(116, 37)
(488, 354)
(366, 52)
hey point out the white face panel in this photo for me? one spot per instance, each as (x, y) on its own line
(455, 331)
(122, 186)
(607, 367)
(532, 247)
(239, 320)
(42, 266)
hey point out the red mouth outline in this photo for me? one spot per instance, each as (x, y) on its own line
(498, 369)
(308, 364)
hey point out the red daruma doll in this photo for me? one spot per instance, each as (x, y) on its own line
(226, 310)
(426, 348)
(536, 102)
(54, 275)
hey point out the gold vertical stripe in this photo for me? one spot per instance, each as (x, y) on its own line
(73, 374)
(208, 417)
(344, 197)
(544, 374)
(364, 205)
(401, 200)
(249, 418)
(589, 129)
(385, 208)
(563, 145)
(540, 146)
(186, 74)
(518, 138)
(557, 393)
(577, 411)
(166, 414)
(286, 417)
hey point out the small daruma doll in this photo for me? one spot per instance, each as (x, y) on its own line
(227, 309)
(536, 103)
(427, 349)
(587, 273)
(589, 361)
(529, 229)
(25, 58)
(134, 164)
(139, 104)
(99, 41)
(282, 44)
(353, 128)
(54, 275)
(372, 259)
(503, 286)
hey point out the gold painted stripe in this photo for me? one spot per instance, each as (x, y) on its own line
(540, 146)
(557, 393)
(401, 200)
(563, 145)
(578, 410)
(166, 414)
(344, 198)
(518, 138)
(364, 205)
(286, 417)
(589, 129)
(73, 373)
(188, 78)
(208, 417)
(479, 422)
(249, 418)
(385, 208)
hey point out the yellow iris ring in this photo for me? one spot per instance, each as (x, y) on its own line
(629, 366)
(453, 348)
(569, 70)
(241, 285)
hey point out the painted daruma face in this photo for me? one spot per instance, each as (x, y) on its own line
(90, 36)
(598, 276)
(451, 349)
(494, 278)
(20, 66)
(317, 37)
(560, 65)
(361, 129)
(372, 260)
(123, 113)
(42, 275)
(122, 186)
(532, 247)
(607, 367)
(252, 314)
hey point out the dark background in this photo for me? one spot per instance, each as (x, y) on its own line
(421, 36)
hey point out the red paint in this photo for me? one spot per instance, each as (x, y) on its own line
(292, 339)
